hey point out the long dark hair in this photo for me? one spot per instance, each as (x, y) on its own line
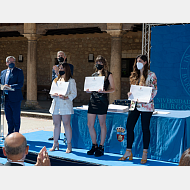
(101, 59)
(67, 72)
(135, 74)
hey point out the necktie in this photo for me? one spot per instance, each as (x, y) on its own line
(7, 80)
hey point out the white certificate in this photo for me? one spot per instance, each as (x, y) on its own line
(94, 83)
(142, 93)
(60, 87)
(3, 87)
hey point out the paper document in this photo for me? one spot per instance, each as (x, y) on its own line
(83, 107)
(160, 112)
(118, 108)
(142, 93)
(60, 87)
(3, 87)
(94, 83)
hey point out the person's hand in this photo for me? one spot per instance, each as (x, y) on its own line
(55, 95)
(140, 102)
(63, 97)
(40, 156)
(101, 91)
(66, 97)
(87, 91)
(43, 158)
(129, 94)
(6, 85)
(56, 69)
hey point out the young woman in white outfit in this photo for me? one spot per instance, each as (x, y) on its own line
(62, 106)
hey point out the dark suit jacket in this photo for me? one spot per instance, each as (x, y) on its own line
(12, 164)
(16, 81)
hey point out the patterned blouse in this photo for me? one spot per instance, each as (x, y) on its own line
(151, 81)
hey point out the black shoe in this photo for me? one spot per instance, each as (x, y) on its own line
(99, 151)
(51, 138)
(93, 149)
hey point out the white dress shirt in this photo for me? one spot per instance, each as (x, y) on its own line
(7, 73)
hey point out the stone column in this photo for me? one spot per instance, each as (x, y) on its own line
(30, 34)
(115, 63)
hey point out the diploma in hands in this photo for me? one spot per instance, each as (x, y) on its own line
(142, 93)
(94, 83)
(60, 87)
(3, 87)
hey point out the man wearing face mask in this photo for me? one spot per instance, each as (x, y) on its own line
(61, 58)
(12, 77)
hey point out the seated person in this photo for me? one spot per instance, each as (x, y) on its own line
(185, 158)
(16, 148)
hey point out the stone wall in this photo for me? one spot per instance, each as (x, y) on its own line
(77, 47)
(131, 47)
(14, 46)
(131, 44)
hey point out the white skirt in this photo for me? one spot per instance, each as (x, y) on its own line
(61, 107)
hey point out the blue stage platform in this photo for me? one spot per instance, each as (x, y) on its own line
(170, 134)
(36, 140)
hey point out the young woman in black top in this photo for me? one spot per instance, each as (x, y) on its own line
(98, 105)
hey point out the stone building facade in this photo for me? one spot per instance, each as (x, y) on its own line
(38, 44)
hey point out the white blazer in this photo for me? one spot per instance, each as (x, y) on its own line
(64, 107)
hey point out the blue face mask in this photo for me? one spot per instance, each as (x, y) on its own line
(11, 65)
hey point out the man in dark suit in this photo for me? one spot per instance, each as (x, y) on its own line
(61, 57)
(16, 148)
(13, 78)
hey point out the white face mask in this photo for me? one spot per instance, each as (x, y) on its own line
(139, 65)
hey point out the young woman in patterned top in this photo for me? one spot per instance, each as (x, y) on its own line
(142, 76)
